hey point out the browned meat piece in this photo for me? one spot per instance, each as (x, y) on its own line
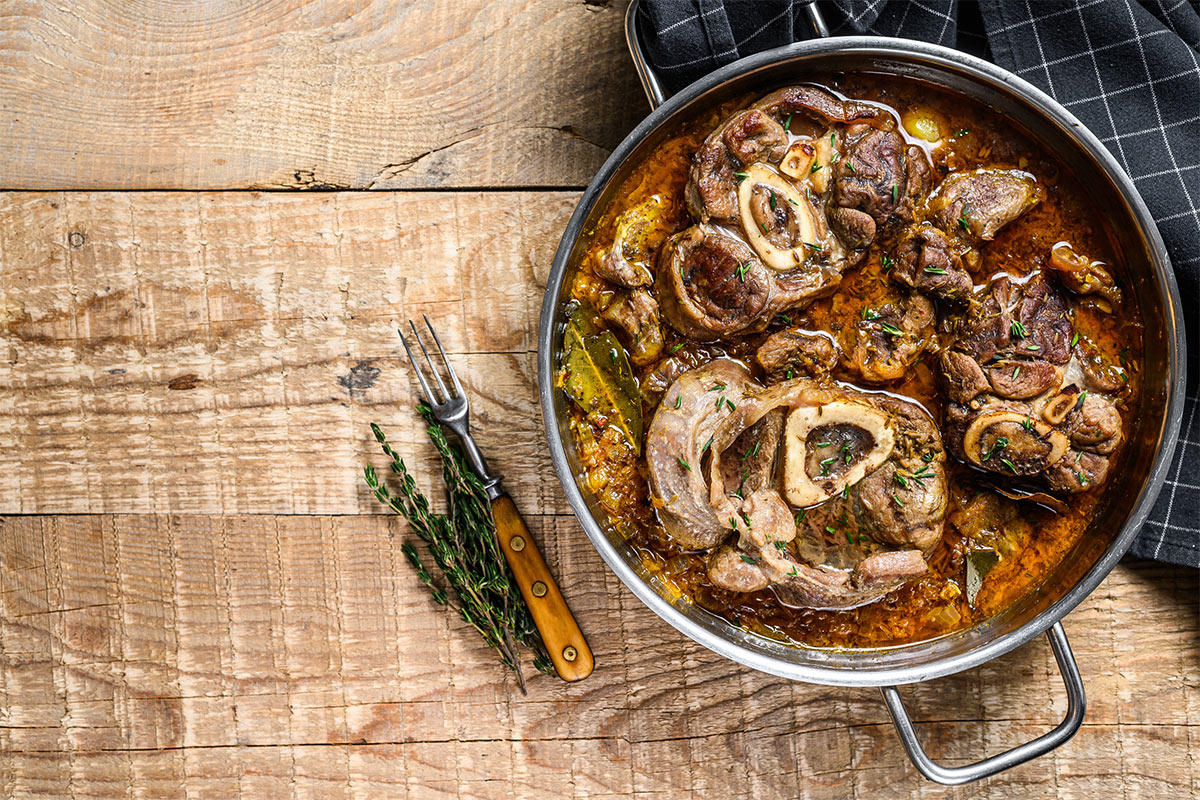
(1093, 424)
(1081, 275)
(635, 314)
(710, 285)
(975, 205)
(869, 471)
(732, 569)
(746, 137)
(614, 267)
(1021, 380)
(821, 106)
(749, 463)
(1026, 320)
(793, 352)
(855, 228)
(1099, 374)
(905, 500)
(1016, 407)
(676, 446)
(929, 262)
(889, 339)
(871, 192)
(964, 378)
(1078, 472)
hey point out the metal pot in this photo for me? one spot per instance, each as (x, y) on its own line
(1126, 502)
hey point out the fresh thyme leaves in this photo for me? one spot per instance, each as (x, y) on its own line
(675, 348)
(787, 123)
(1018, 329)
(935, 270)
(683, 463)
(886, 261)
(815, 168)
(1075, 339)
(895, 194)
(741, 176)
(742, 269)
(678, 400)
(475, 580)
(771, 200)
(812, 246)
(891, 329)
(825, 465)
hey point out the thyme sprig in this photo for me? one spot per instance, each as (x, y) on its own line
(475, 579)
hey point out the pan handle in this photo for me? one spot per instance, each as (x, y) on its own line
(650, 83)
(953, 776)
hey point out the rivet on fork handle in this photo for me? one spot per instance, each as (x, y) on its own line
(573, 660)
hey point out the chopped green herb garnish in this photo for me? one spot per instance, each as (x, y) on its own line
(900, 479)
(763, 225)
(612, 354)
(742, 269)
(787, 123)
(935, 270)
(771, 199)
(1008, 465)
(885, 261)
(962, 131)
(679, 400)
(717, 387)
(823, 444)
(788, 374)
(730, 404)
(830, 529)
(853, 171)
(748, 559)
(1075, 339)
(1027, 424)
(849, 538)
(891, 329)
(815, 168)
(812, 246)
(1016, 372)
(786, 319)
(683, 463)
(895, 194)
(1019, 329)
(707, 445)
(675, 348)
(742, 175)
(800, 515)
(899, 502)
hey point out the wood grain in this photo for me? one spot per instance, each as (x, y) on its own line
(195, 656)
(311, 94)
(225, 352)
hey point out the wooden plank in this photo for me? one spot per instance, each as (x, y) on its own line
(295, 94)
(225, 352)
(173, 656)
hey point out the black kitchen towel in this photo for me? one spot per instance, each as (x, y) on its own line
(1129, 70)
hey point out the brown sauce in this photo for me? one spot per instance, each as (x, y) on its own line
(935, 604)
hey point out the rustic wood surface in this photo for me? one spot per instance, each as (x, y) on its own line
(198, 596)
(303, 94)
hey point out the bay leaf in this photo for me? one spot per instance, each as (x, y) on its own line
(598, 378)
(979, 564)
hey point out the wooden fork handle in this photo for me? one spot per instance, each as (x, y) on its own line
(564, 641)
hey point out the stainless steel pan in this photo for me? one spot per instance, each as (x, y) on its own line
(1127, 501)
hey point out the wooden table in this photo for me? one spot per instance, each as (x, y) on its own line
(199, 597)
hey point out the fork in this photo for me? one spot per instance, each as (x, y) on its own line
(560, 632)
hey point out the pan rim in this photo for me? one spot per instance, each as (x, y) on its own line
(1168, 435)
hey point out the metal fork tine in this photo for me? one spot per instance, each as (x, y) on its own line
(416, 368)
(433, 367)
(450, 369)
